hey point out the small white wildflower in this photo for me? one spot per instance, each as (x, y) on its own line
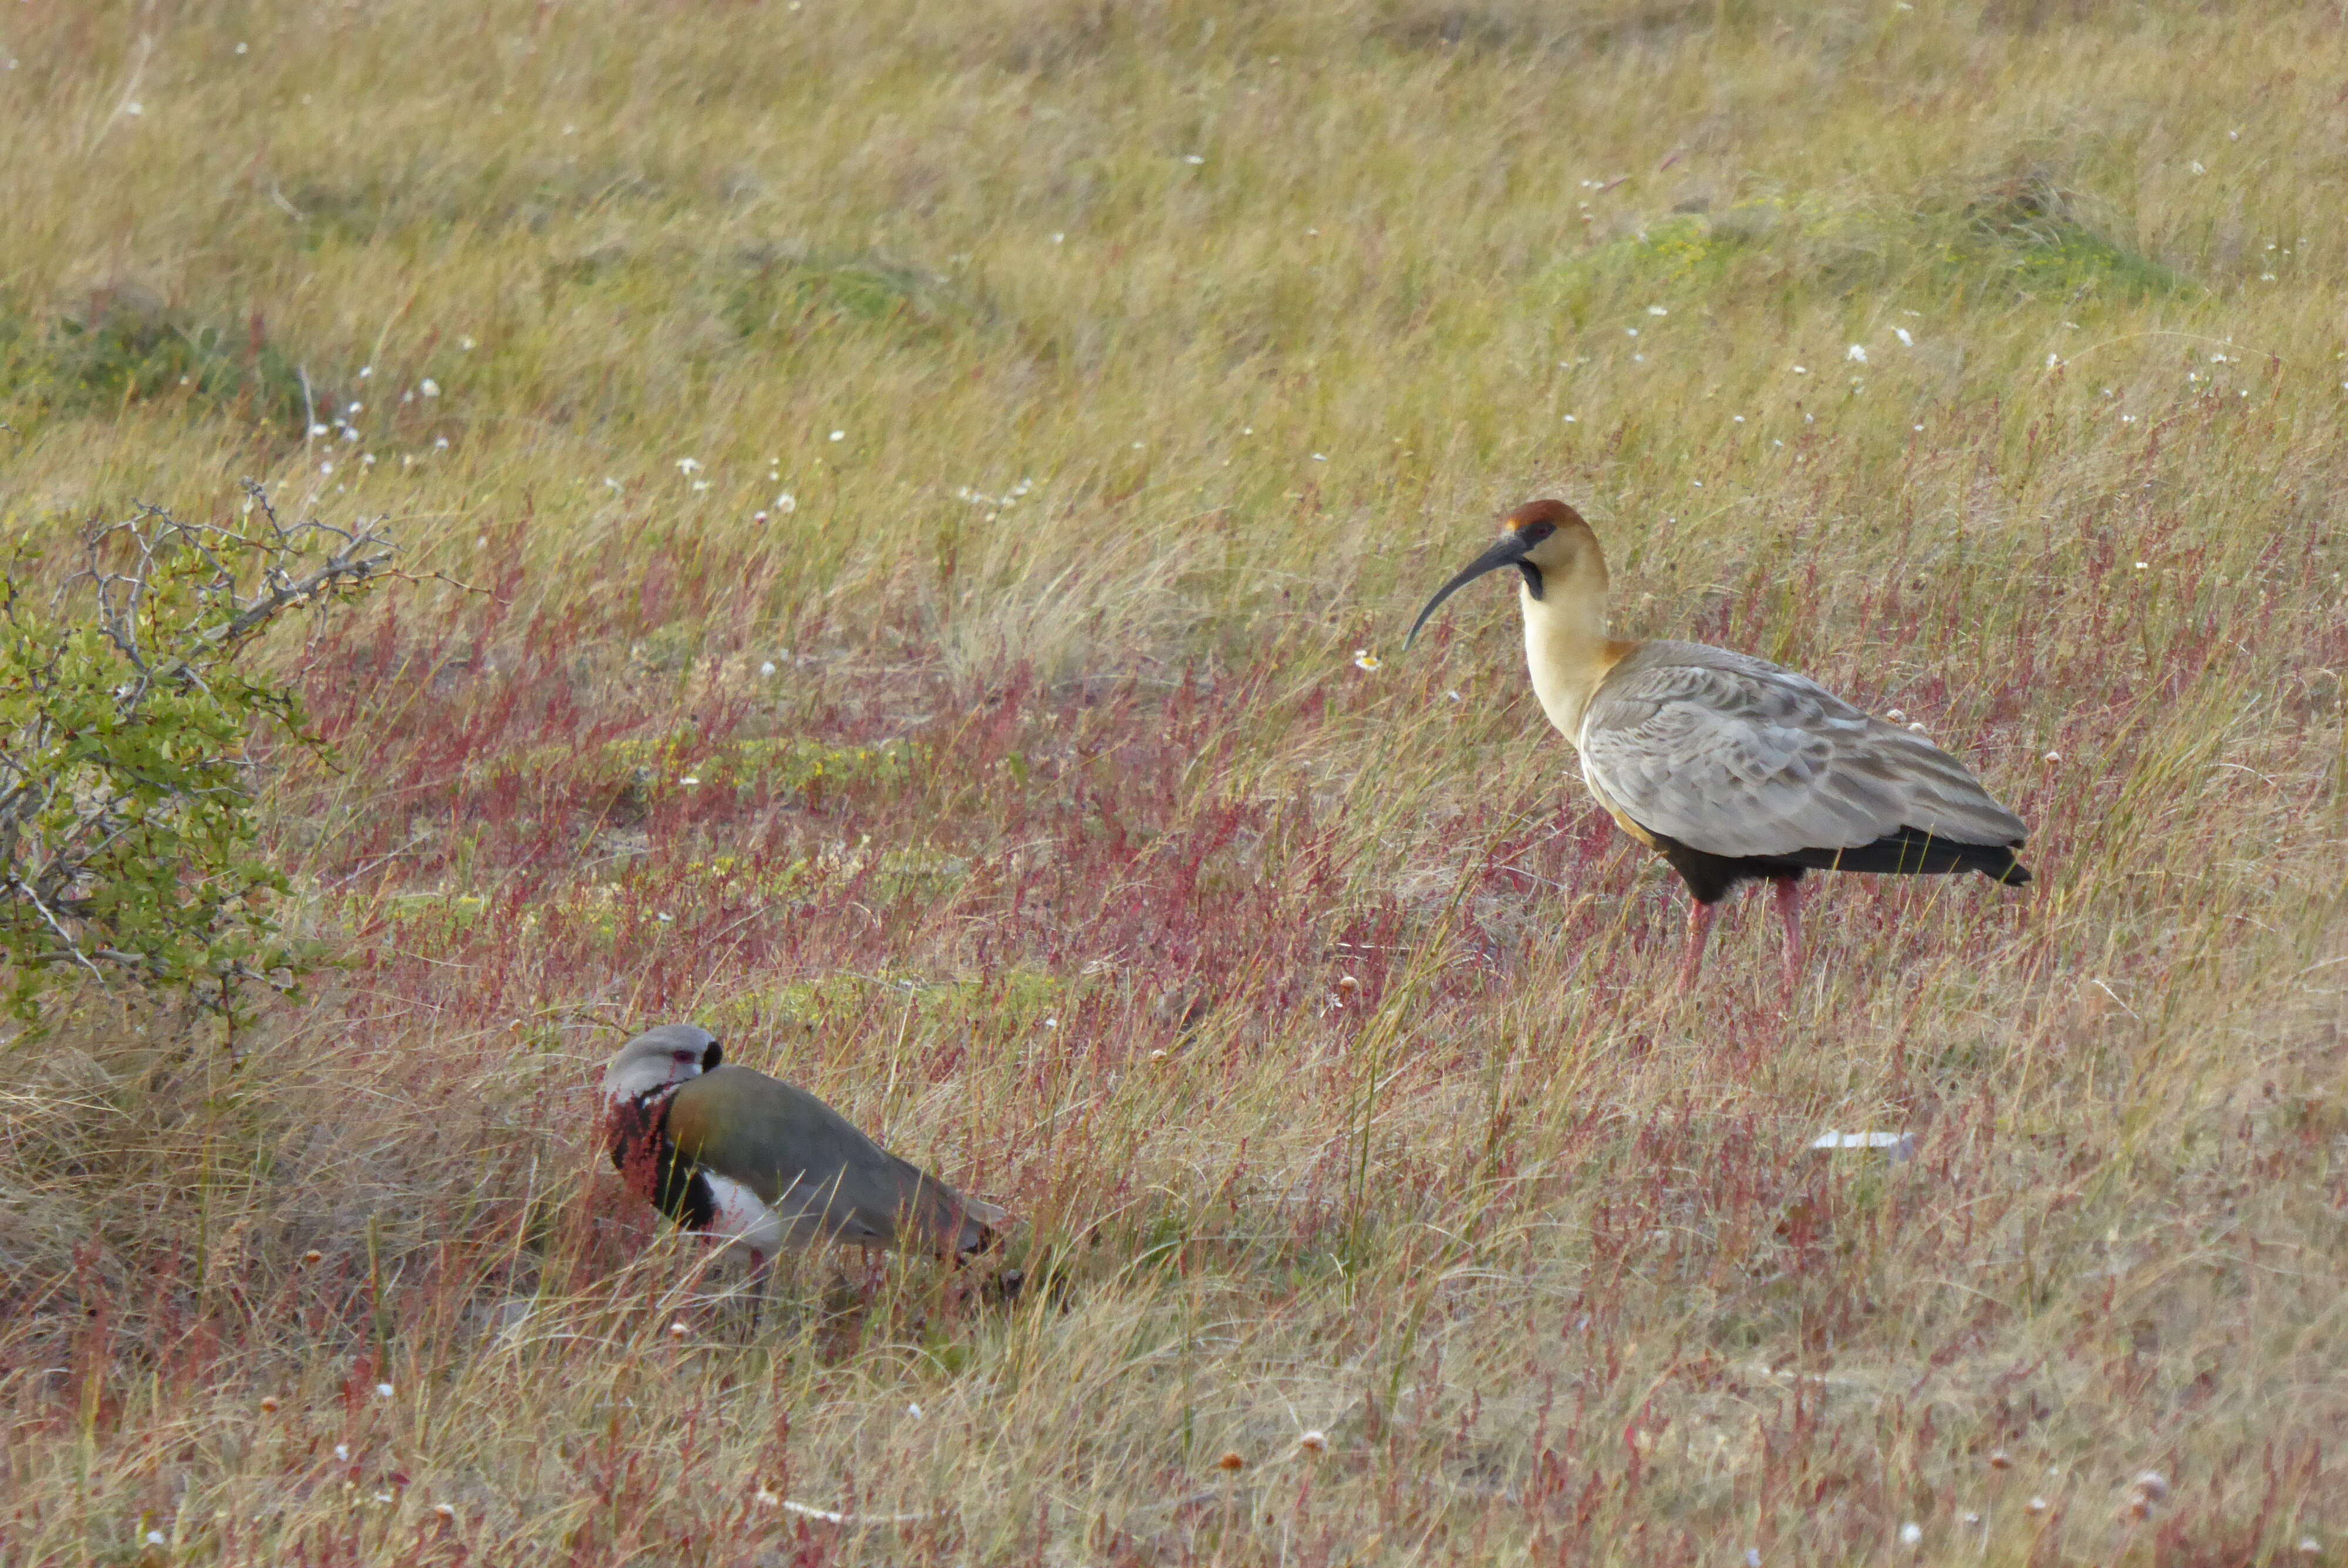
(839, 436)
(240, 49)
(1895, 715)
(1632, 331)
(689, 464)
(1855, 353)
(1801, 370)
(1051, 1023)
(701, 484)
(1366, 659)
(382, 1390)
(610, 483)
(1969, 1518)
(1917, 728)
(1736, 418)
(2053, 360)
(1319, 457)
(1570, 419)
(1657, 310)
(1315, 1442)
(914, 1411)
(1454, 696)
(1193, 160)
(677, 1330)
(134, 109)
(758, 517)
(2037, 1505)
(2130, 418)
(444, 1510)
(325, 467)
(384, 1497)
(1059, 238)
(787, 502)
(1638, 359)
(156, 1538)
(428, 387)
(665, 918)
(2308, 1546)
(766, 1499)
(342, 1450)
(2053, 756)
(466, 344)
(2197, 169)
(440, 444)
(1910, 1534)
(2143, 566)
(1905, 340)
(1753, 1557)
(1917, 428)
(690, 780)
(321, 430)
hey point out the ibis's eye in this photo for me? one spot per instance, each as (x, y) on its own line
(688, 1056)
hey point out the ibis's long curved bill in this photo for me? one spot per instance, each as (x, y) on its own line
(1510, 551)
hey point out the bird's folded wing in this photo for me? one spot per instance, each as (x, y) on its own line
(807, 1159)
(1736, 756)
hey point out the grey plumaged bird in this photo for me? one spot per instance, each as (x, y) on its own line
(744, 1158)
(1730, 767)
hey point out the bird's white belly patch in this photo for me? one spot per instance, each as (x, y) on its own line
(742, 1215)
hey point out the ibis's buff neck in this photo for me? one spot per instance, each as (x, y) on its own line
(1566, 647)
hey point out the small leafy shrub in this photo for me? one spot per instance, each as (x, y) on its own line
(129, 833)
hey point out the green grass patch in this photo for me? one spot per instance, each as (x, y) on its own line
(125, 347)
(2013, 248)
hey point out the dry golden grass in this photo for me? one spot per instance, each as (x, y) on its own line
(1315, 1025)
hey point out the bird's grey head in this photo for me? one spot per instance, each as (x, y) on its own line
(659, 1058)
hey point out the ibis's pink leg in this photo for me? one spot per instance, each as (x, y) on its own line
(1700, 917)
(1789, 911)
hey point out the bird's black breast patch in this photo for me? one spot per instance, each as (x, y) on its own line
(649, 1162)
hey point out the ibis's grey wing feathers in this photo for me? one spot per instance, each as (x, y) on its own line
(1736, 756)
(814, 1166)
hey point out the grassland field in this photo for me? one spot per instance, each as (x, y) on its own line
(932, 493)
